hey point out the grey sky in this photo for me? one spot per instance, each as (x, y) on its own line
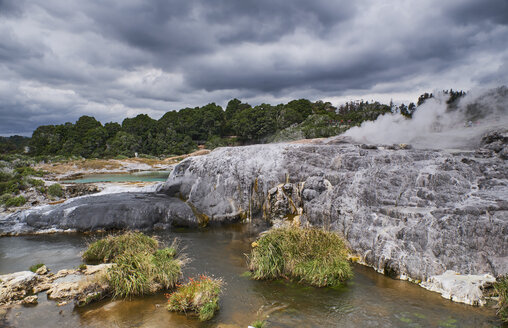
(113, 59)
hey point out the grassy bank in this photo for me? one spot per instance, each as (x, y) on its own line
(200, 296)
(310, 256)
(141, 268)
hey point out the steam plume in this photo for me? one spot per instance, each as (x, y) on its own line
(435, 124)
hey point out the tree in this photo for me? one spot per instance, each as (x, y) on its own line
(255, 123)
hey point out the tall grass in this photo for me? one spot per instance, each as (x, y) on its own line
(501, 287)
(200, 296)
(107, 249)
(140, 267)
(310, 256)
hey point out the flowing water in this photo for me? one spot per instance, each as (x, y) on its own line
(368, 300)
(143, 176)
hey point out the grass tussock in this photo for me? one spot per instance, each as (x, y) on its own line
(199, 296)
(501, 287)
(140, 267)
(36, 267)
(107, 249)
(310, 256)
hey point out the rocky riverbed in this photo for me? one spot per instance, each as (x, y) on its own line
(81, 286)
(419, 214)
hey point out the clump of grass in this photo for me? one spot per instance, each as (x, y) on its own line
(131, 275)
(166, 269)
(107, 249)
(141, 267)
(310, 256)
(200, 296)
(258, 324)
(36, 267)
(501, 287)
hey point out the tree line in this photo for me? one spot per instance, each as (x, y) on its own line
(180, 132)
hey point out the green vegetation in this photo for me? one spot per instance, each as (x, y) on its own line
(36, 267)
(200, 296)
(501, 287)
(15, 201)
(141, 267)
(258, 324)
(17, 177)
(108, 248)
(179, 132)
(310, 256)
(55, 190)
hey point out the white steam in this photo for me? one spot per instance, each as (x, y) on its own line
(435, 125)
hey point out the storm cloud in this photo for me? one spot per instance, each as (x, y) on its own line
(118, 58)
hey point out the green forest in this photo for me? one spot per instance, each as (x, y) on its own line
(180, 132)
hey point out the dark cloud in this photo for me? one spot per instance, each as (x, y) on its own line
(478, 12)
(112, 59)
(11, 7)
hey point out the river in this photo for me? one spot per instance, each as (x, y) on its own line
(368, 300)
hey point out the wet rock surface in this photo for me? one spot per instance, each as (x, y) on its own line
(141, 211)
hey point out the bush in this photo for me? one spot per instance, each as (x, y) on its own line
(200, 296)
(107, 249)
(25, 171)
(311, 256)
(121, 157)
(4, 198)
(55, 190)
(36, 267)
(35, 182)
(501, 287)
(15, 201)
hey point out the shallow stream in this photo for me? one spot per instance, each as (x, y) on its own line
(368, 300)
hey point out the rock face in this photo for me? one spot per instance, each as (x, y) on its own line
(409, 213)
(105, 212)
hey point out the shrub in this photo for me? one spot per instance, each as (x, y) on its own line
(35, 182)
(501, 287)
(106, 249)
(36, 267)
(5, 176)
(4, 198)
(25, 171)
(311, 256)
(15, 201)
(121, 157)
(55, 190)
(200, 296)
